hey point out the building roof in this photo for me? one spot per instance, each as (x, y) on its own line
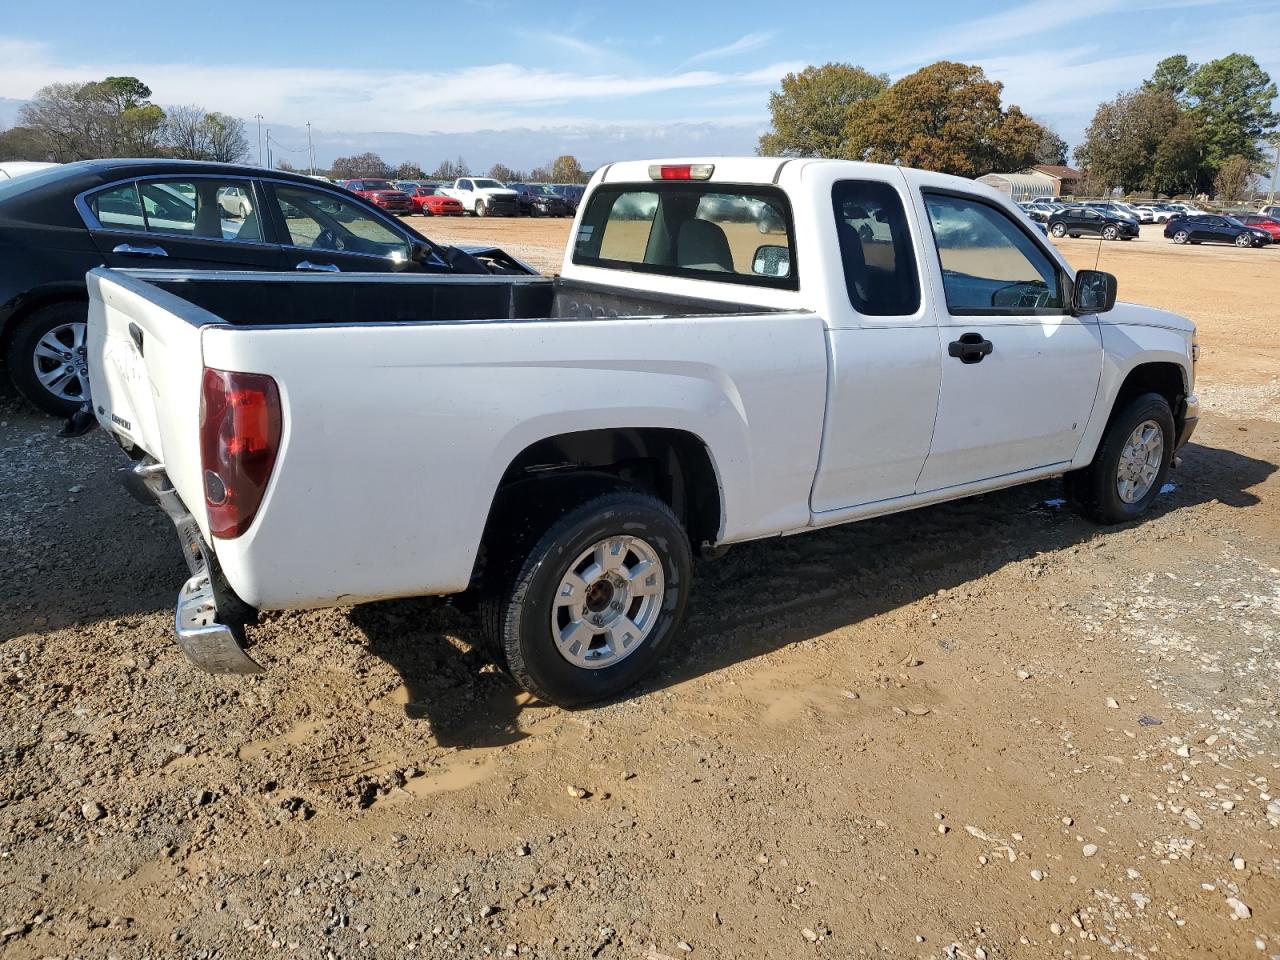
(1035, 180)
(1057, 171)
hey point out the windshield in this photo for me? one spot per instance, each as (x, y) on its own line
(489, 185)
(1233, 221)
(378, 185)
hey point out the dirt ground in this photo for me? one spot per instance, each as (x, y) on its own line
(986, 729)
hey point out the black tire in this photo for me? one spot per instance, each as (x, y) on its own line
(1094, 490)
(517, 613)
(21, 356)
(480, 208)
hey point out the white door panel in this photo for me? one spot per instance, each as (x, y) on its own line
(880, 409)
(1025, 405)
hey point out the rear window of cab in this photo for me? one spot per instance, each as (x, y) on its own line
(706, 231)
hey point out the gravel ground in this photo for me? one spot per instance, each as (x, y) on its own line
(986, 729)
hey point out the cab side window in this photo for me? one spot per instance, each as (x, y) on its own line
(875, 248)
(990, 265)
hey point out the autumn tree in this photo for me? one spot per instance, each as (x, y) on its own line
(812, 109)
(566, 169)
(367, 164)
(1234, 178)
(1051, 149)
(946, 117)
(505, 174)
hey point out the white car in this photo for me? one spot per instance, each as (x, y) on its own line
(12, 169)
(483, 196)
(734, 349)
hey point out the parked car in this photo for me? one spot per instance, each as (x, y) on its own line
(1212, 228)
(430, 202)
(1143, 215)
(1040, 212)
(56, 224)
(1160, 212)
(483, 196)
(1113, 209)
(1270, 210)
(572, 193)
(1090, 221)
(12, 169)
(1269, 224)
(561, 446)
(381, 194)
(539, 200)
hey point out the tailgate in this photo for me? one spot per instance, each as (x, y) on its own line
(145, 367)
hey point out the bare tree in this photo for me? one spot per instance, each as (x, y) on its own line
(1233, 179)
(226, 138)
(362, 165)
(186, 133)
(103, 118)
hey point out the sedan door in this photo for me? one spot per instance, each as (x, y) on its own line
(326, 232)
(181, 223)
(1019, 371)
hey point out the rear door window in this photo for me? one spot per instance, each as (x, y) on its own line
(875, 248)
(714, 232)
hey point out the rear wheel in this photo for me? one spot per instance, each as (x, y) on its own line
(47, 358)
(1130, 465)
(588, 608)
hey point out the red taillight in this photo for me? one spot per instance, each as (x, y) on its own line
(681, 171)
(239, 439)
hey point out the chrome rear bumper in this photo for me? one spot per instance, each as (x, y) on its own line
(206, 641)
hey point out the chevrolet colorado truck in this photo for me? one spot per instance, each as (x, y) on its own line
(734, 349)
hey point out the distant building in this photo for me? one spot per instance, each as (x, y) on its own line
(1042, 180)
(1020, 186)
(1065, 178)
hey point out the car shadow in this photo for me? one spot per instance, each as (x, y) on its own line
(772, 593)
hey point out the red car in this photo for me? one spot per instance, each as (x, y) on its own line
(1269, 224)
(428, 201)
(381, 194)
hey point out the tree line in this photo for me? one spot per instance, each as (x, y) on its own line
(563, 169)
(115, 117)
(1190, 128)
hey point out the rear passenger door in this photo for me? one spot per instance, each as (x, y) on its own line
(1019, 372)
(885, 357)
(181, 223)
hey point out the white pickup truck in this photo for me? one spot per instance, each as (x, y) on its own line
(735, 349)
(483, 196)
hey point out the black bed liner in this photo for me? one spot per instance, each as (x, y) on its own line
(274, 299)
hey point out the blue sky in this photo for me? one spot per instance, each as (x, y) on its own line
(518, 82)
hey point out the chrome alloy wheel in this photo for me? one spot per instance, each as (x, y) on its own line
(62, 364)
(1140, 461)
(608, 602)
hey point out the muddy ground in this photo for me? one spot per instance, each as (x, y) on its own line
(986, 729)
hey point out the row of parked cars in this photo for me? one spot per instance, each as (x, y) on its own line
(1183, 222)
(481, 196)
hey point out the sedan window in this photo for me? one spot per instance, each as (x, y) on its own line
(321, 221)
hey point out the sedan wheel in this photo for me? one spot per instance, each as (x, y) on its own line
(1181, 236)
(1244, 240)
(48, 360)
(1109, 232)
(1058, 230)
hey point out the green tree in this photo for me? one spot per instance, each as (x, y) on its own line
(1172, 74)
(1051, 149)
(1234, 178)
(22, 143)
(812, 109)
(946, 117)
(1234, 96)
(102, 118)
(1121, 143)
(1179, 158)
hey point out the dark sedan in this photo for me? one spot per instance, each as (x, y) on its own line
(537, 200)
(1088, 221)
(1211, 228)
(59, 223)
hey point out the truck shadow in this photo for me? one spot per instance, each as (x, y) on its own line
(773, 593)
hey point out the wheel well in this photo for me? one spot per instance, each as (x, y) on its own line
(672, 465)
(1162, 378)
(31, 303)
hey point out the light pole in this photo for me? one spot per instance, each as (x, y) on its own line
(311, 151)
(258, 117)
(1275, 174)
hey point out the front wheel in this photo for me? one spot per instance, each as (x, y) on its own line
(591, 606)
(1109, 232)
(1181, 236)
(1243, 241)
(480, 209)
(1130, 465)
(1058, 230)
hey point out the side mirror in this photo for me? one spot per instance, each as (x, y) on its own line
(771, 260)
(1094, 292)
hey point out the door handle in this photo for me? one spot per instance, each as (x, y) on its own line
(128, 249)
(321, 267)
(970, 348)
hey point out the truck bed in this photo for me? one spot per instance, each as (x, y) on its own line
(287, 299)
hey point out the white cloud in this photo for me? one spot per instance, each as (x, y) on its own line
(744, 44)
